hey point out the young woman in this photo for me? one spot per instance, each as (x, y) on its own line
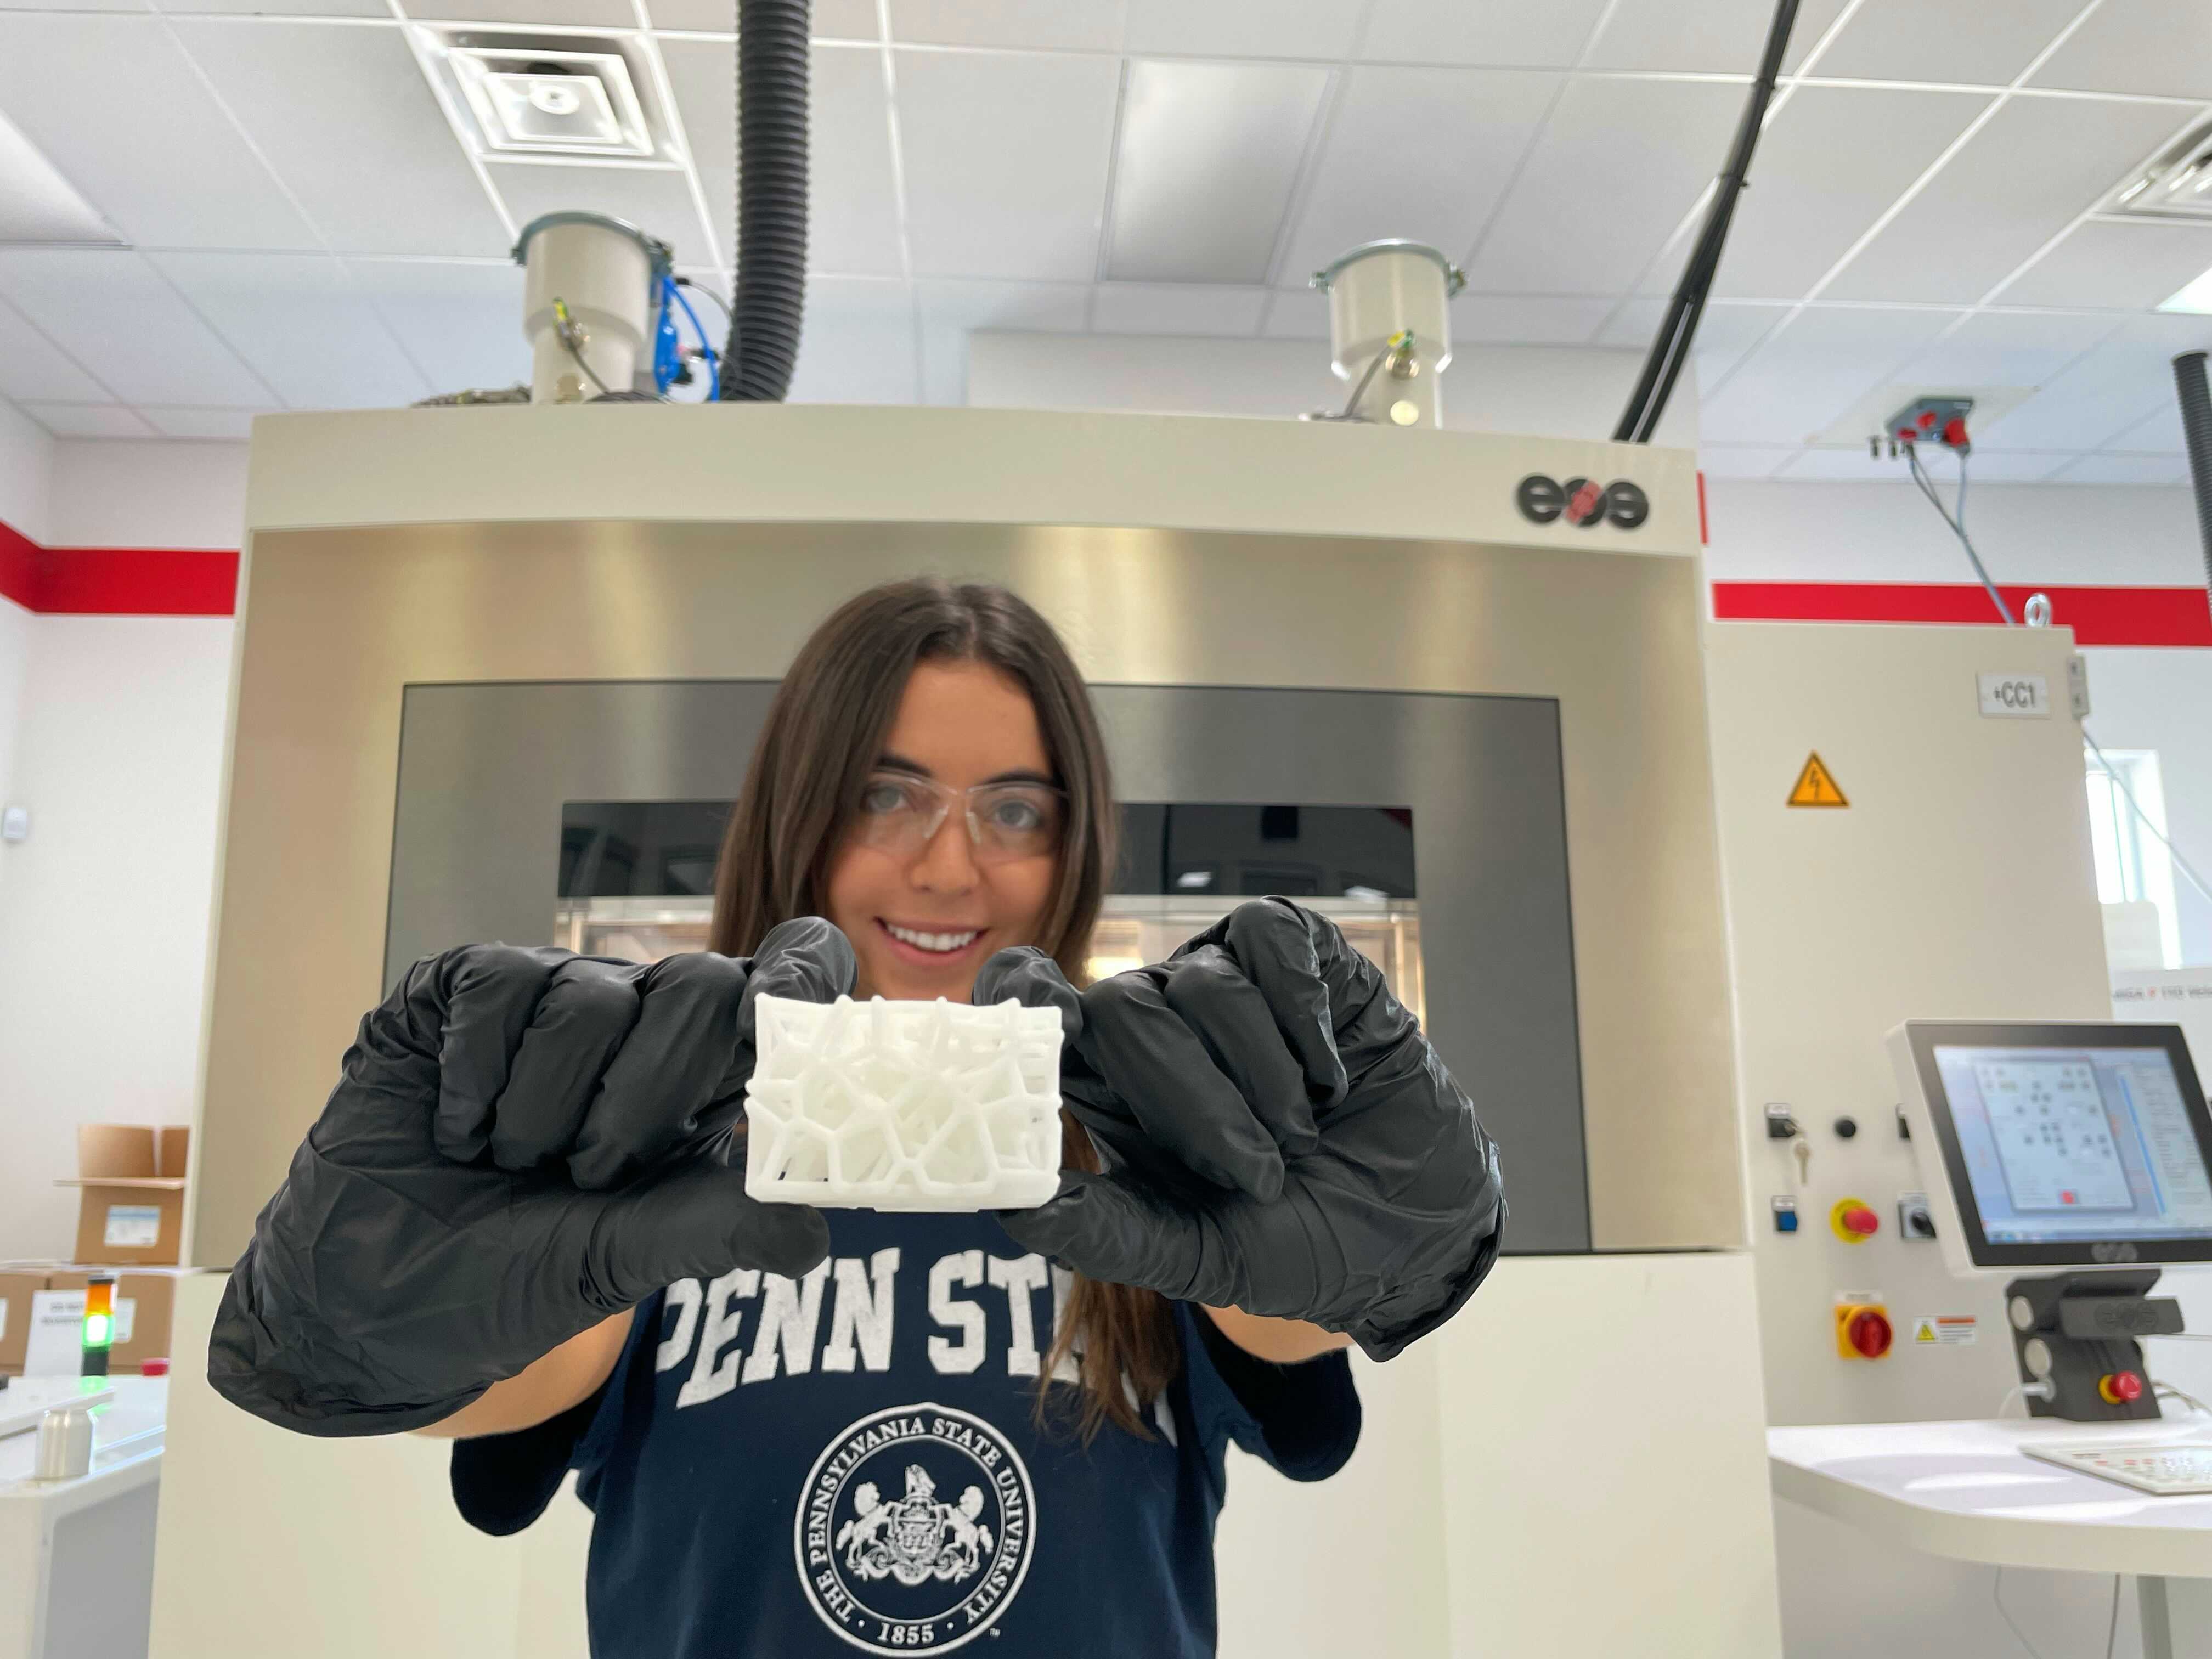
(520, 1221)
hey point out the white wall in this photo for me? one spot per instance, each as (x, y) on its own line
(2118, 535)
(25, 463)
(104, 911)
(111, 733)
(153, 494)
(2062, 534)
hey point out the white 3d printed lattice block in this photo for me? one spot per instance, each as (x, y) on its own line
(903, 1105)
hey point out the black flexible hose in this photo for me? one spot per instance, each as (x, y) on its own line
(1671, 348)
(2196, 430)
(770, 301)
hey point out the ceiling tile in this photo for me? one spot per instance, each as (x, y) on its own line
(1614, 173)
(75, 5)
(1787, 394)
(2124, 469)
(2140, 46)
(88, 421)
(2016, 184)
(1237, 28)
(832, 20)
(2091, 402)
(1526, 319)
(1205, 160)
(114, 104)
(1967, 42)
(257, 8)
(852, 224)
(1888, 332)
(1741, 460)
(2009, 348)
(1818, 183)
(1724, 37)
(234, 425)
(301, 325)
(859, 344)
(1091, 24)
(952, 310)
(1177, 308)
(566, 14)
(1489, 32)
(33, 367)
(348, 121)
(1006, 161)
(462, 324)
(1725, 331)
(2127, 267)
(37, 204)
(1425, 154)
(115, 314)
(2158, 432)
(657, 200)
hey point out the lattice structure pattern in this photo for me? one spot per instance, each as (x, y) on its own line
(904, 1105)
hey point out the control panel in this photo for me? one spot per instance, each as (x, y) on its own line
(1845, 1207)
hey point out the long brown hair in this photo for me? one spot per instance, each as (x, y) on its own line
(824, 736)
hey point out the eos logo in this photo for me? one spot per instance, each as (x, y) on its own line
(1581, 501)
(2112, 1253)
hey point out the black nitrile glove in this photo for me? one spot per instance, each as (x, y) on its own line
(1277, 1134)
(523, 1142)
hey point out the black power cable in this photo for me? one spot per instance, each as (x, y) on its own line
(770, 300)
(1671, 348)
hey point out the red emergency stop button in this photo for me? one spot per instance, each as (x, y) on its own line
(2120, 1387)
(1869, 1333)
(1853, 1220)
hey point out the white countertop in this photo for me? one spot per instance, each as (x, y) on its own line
(126, 1448)
(1967, 1491)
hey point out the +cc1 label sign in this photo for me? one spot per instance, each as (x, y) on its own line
(1582, 502)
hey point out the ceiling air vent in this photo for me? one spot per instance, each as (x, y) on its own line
(2177, 185)
(521, 94)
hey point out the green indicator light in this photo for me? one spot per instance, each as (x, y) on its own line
(95, 1330)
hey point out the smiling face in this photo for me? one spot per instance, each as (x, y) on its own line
(922, 922)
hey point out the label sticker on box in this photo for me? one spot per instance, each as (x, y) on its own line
(1945, 1330)
(56, 1338)
(125, 1307)
(132, 1226)
(6, 1302)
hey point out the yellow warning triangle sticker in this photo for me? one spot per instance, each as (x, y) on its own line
(1815, 787)
(1926, 1333)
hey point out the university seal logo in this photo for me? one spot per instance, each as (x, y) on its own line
(914, 1529)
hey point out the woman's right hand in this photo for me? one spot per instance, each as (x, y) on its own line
(522, 1143)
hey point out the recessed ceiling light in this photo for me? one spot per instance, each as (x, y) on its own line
(528, 94)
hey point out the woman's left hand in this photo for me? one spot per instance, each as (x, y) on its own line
(1277, 1134)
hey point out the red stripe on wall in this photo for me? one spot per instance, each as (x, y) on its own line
(2098, 615)
(139, 581)
(116, 582)
(19, 566)
(142, 581)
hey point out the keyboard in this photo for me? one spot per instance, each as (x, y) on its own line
(2167, 1471)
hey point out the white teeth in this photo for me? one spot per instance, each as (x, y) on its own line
(933, 941)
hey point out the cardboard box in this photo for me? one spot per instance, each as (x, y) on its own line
(145, 1305)
(17, 1286)
(130, 1213)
